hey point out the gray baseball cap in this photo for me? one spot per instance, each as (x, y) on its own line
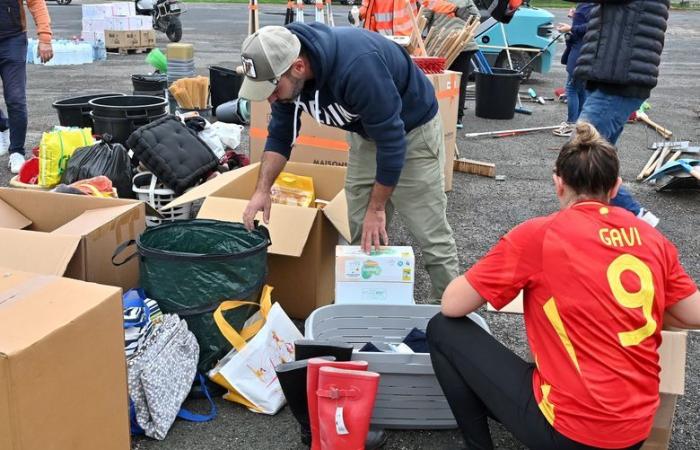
(266, 55)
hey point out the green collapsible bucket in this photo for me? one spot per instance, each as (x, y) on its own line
(189, 267)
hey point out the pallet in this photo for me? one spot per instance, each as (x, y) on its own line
(129, 50)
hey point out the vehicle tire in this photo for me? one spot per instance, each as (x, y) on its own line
(520, 59)
(63, 2)
(308, 2)
(174, 29)
(348, 2)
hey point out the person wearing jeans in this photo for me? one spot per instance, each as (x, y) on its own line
(619, 61)
(575, 87)
(594, 309)
(13, 71)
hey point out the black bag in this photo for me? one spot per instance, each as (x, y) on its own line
(103, 158)
(173, 152)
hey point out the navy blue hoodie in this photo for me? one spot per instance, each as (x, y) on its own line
(574, 42)
(363, 83)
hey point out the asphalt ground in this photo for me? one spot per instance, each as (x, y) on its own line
(480, 209)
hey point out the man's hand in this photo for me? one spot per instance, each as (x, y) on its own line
(45, 52)
(374, 230)
(563, 27)
(260, 201)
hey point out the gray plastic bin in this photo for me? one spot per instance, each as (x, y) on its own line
(409, 395)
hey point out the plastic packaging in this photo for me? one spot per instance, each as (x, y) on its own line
(293, 190)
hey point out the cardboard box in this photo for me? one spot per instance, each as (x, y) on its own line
(97, 11)
(93, 25)
(62, 366)
(301, 257)
(147, 38)
(90, 36)
(76, 239)
(324, 145)
(660, 436)
(122, 39)
(124, 9)
(142, 23)
(117, 23)
(383, 277)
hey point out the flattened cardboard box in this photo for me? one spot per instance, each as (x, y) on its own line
(71, 235)
(301, 259)
(62, 364)
(324, 145)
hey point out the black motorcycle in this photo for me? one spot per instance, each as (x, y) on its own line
(166, 16)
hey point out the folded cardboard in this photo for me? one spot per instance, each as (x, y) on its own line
(325, 145)
(71, 235)
(62, 365)
(383, 277)
(661, 430)
(302, 254)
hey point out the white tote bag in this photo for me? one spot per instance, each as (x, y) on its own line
(248, 371)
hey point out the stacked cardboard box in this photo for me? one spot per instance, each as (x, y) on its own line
(117, 25)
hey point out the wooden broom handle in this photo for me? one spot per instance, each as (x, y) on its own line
(416, 31)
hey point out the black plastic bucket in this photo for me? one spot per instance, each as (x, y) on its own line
(224, 85)
(497, 94)
(150, 84)
(120, 127)
(75, 112)
(129, 106)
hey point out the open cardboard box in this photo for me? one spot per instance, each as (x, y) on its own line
(325, 145)
(301, 260)
(62, 365)
(71, 235)
(672, 353)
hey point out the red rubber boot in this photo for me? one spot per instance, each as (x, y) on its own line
(345, 404)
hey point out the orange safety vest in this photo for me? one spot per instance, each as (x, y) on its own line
(388, 17)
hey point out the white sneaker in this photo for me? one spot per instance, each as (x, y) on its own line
(648, 217)
(565, 130)
(16, 162)
(4, 142)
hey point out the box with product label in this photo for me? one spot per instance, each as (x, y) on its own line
(62, 366)
(117, 23)
(122, 39)
(124, 9)
(70, 235)
(385, 276)
(147, 38)
(92, 36)
(300, 259)
(325, 145)
(93, 25)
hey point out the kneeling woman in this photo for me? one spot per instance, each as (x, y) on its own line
(598, 285)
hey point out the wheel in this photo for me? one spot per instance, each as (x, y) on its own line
(307, 2)
(174, 29)
(63, 2)
(520, 59)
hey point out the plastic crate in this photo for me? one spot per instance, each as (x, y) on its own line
(409, 395)
(148, 189)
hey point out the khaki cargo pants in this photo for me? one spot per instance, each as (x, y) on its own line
(419, 198)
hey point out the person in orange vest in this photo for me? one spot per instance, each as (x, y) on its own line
(387, 17)
(439, 14)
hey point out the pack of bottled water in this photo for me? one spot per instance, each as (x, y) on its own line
(65, 52)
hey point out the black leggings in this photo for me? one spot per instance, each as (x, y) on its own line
(481, 378)
(463, 63)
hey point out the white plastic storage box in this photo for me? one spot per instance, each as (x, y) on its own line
(409, 395)
(150, 190)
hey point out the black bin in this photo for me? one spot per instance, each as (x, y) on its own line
(75, 111)
(497, 93)
(224, 85)
(121, 116)
(155, 84)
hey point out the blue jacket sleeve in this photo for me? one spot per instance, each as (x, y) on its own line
(369, 90)
(280, 130)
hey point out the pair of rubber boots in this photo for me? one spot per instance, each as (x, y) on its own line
(330, 396)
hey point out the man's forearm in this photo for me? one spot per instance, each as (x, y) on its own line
(270, 167)
(380, 195)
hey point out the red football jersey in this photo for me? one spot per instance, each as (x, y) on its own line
(596, 283)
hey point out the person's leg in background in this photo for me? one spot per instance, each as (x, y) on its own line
(609, 114)
(573, 108)
(581, 93)
(4, 133)
(13, 71)
(463, 64)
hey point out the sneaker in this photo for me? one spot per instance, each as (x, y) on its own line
(459, 125)
(565, 130)
(4, 142)
(648, 217)
(16, 162)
